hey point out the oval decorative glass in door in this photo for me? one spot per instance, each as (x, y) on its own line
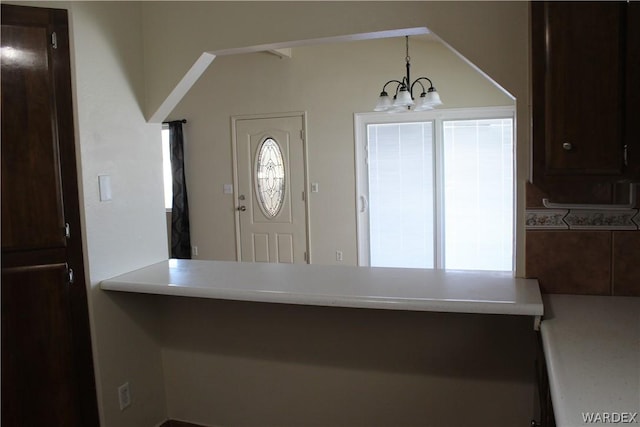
(270, 177)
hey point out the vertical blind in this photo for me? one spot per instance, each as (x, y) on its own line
(401, 195)
(478, 194)
(473, 229)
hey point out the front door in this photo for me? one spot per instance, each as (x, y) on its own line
(271, 207)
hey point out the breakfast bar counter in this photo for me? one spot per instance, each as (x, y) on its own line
(337, 286)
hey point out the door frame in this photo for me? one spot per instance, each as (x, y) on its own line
(305, 168)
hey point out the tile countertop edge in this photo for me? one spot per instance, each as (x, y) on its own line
(189, 278)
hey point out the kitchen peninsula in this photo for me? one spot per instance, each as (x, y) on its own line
(337, 286)
(333, 337)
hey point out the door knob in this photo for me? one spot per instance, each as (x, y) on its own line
(567, 146)
(242, 208)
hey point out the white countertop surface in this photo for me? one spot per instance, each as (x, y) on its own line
(592, 350)
(340, 286)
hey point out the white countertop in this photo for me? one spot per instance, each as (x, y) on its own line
(592, 350)
(340, 286)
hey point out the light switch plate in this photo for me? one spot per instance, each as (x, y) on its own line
(104, 185)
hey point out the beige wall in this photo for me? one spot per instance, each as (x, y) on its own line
(128, 232)
(306, 366)
(330, 82)
(253, 364)
(491, 35)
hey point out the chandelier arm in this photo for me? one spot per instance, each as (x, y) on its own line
(398, 86)
(423, 78)
(384, 88)
(414, 83)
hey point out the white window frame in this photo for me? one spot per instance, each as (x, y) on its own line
(165, 127)
(362, 120)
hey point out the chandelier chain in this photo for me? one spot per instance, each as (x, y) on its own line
(407, 58)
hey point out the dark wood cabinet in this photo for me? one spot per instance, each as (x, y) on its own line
(632, 82)
(32, 210)
(47, 365)
(584, 96)
(36, 302)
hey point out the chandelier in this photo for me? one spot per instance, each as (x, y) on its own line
(403, 99)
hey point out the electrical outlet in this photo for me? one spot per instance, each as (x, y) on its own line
(194, 250)
(124, 396)
(338, 255)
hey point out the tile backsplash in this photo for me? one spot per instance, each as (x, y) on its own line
(575, 251)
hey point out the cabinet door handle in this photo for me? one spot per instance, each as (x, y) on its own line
(567, 146)
(365, 204)
(70, 275)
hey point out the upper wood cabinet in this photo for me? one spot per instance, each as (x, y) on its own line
(585, 97)
(32, 206)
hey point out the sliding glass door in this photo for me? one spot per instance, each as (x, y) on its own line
(478, 194)
(436, 189)
(401, 194)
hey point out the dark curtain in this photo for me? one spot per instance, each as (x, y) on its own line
(180, 237)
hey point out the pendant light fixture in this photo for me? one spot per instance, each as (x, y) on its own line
(403, 98)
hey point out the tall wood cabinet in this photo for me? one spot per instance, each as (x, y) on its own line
(586, 95)
(47, 368)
